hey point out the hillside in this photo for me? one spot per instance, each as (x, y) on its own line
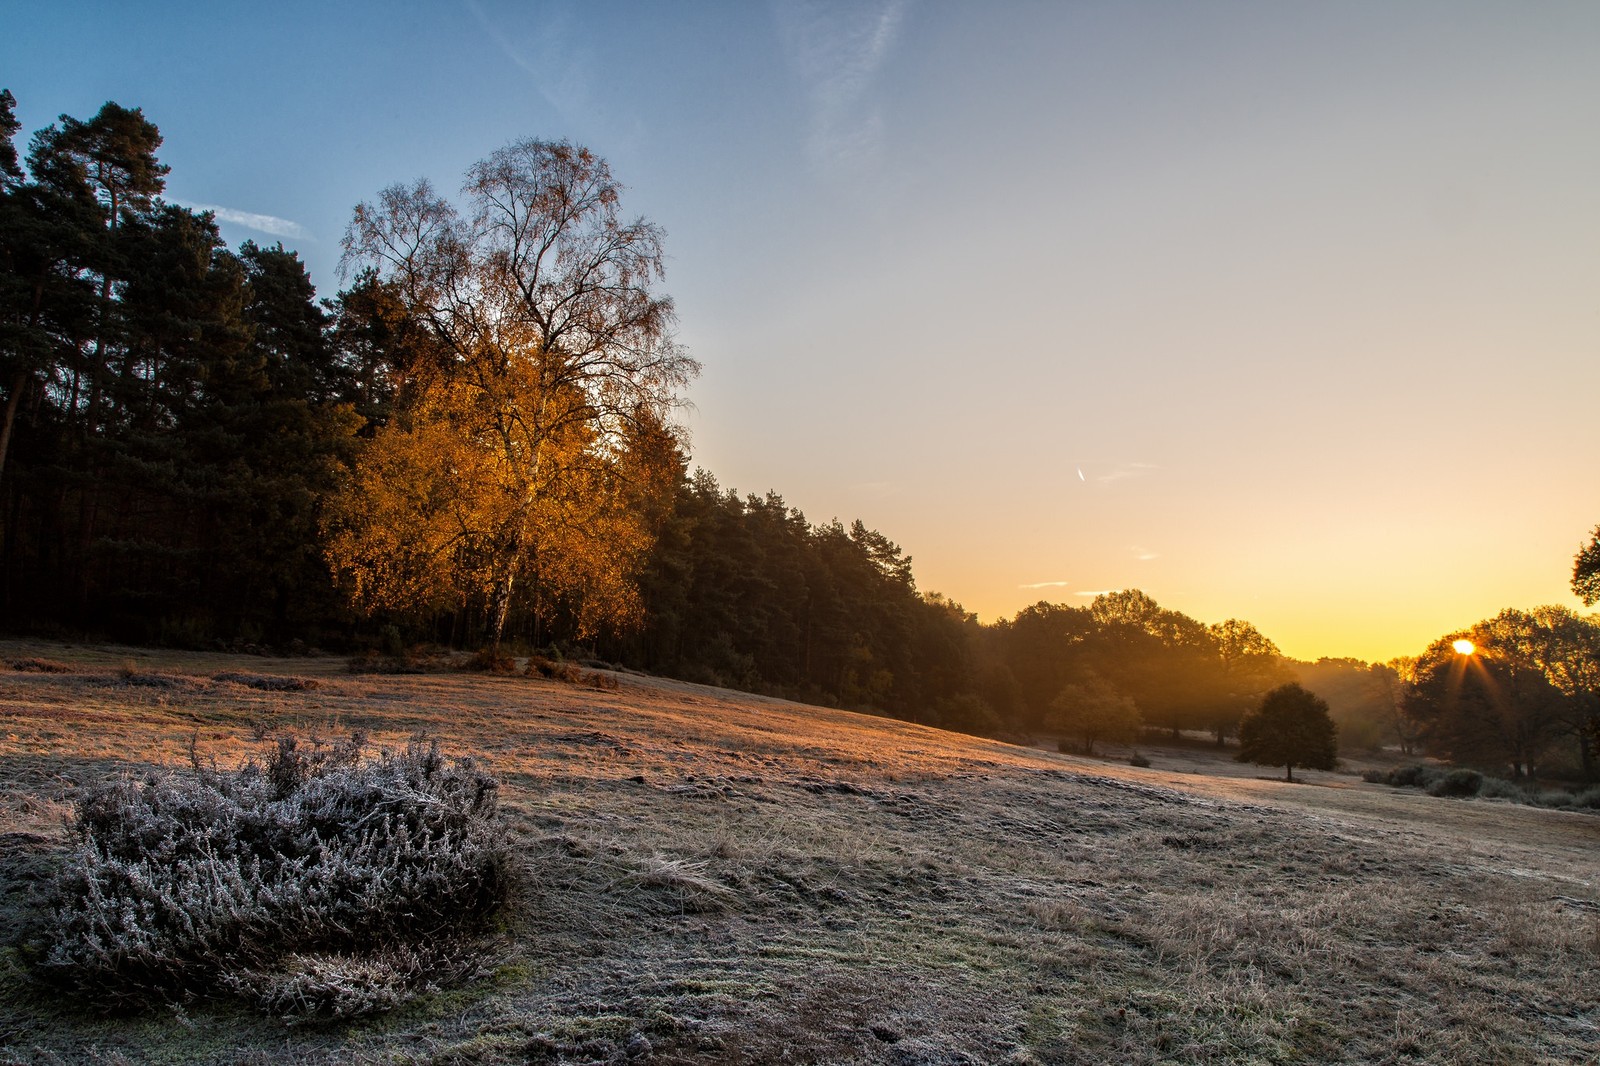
(716, 877)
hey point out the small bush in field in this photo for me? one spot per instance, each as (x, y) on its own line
(554, 669)
(1138, 760)
(318, 883)
(268, 682)
(1589, 799)
(1457, 783)
(40, 666)
(1500, 788)
(1414, 776)
(489, 661)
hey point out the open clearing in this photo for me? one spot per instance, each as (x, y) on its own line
(715, 877)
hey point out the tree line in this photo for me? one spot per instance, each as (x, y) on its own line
(473, 444)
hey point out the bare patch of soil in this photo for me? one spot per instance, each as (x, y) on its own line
(716, 877)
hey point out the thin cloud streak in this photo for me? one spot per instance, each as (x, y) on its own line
(268, 224)
(1124, 472)
(560, 70)
(837, 50)
(1046, 585)
(1144, 555)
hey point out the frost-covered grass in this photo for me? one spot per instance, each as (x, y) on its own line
(315, 882)
(719, 878)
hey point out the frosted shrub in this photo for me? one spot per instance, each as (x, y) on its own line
(320, 883)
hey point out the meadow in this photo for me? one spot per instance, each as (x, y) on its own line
(709, 876)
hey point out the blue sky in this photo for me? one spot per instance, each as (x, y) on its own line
(1288, 312)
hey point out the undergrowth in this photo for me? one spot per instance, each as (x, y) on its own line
(1463, 783)
(315, 883)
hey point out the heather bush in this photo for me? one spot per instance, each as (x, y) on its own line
(268, 682)
(1415, 775)
(1554, 797)
(1456, 783)
(1500, 788)
(316, 883)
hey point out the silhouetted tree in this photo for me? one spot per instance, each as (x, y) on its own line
(1092, 710)
(1495, 708)
(1291, 728)
(1586, 571)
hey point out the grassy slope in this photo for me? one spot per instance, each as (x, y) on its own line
(722, 878)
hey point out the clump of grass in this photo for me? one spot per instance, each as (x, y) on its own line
(37, 665)
(1138, 760)
(315, 883)
(268, 683)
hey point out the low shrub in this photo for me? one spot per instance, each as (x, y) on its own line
(1414, 776)
(1589, 799)
(1500, 788)
(268, 682)
(1554, 797)
(489, 661)
(554, 669)
(1456, 783)
(40, 666)
(1138, 760)
(317, 883)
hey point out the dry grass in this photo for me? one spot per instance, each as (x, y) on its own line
(723, 878)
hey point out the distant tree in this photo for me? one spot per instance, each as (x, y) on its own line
(1093, 710)
(512, 467)
(1586, 571)
(1291, 728)
(1361, 698)
(1247, 666)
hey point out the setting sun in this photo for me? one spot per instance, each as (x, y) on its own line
(1464, 647)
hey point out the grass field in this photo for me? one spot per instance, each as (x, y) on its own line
(716, 877)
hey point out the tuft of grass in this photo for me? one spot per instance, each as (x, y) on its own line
(315, 883)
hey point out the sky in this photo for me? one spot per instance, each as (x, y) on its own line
(1287, 312)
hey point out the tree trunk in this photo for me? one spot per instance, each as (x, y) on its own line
(499, 609)
(1288, 773)
(12, 403)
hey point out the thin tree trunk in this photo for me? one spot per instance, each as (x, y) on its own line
(1288, 773)
(499, 608)
(14, 402)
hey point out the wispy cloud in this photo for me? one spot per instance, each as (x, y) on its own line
(1046, 585)
(1144, 555)
(1111, 473)
(269, 224)
(551, 55)
(837, 50)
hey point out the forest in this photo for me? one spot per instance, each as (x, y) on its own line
(472, 445)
